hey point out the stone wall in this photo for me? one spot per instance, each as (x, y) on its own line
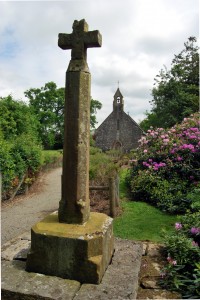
(118, 128)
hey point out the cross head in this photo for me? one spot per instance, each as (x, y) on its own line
(79, 40)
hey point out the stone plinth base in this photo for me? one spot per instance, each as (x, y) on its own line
(120, 280)
(78, 252)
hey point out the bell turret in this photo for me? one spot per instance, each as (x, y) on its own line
(118, 102)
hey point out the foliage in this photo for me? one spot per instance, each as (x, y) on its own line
(150, 120)
(194, 198)
(94, 106)
(18, 157)
(29, 151)
(47, 104)
(101, 165)
(7, 166)
(176, 91)
(19, 142)
(50, 157)
(182, 272)
(16, 119)
(166, 166)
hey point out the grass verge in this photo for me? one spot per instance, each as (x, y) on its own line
(140, 221)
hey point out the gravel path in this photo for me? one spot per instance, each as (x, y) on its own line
(22, 213)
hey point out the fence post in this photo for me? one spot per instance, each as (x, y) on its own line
(117, 190)
(18, 187)
(0, 185)
(112, 196)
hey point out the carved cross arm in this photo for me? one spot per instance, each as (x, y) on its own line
(92, 39)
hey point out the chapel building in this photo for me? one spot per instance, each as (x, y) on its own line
(118, 130)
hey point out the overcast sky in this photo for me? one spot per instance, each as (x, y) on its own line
(139, 38)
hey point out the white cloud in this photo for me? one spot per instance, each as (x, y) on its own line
(139, 37)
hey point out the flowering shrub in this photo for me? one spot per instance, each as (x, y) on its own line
(182, 272)
(166, 165)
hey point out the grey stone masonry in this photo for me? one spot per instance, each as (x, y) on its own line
(120, 281)
(118, 130)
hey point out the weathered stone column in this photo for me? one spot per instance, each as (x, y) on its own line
(74, 206)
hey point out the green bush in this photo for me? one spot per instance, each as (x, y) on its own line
(194, 198)
(182, 272)
(19, 157)
(7, 166)
(51, 157)
(169, 196)
(28, 151)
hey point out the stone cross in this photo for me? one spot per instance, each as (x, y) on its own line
(74, 243)
(74, 207)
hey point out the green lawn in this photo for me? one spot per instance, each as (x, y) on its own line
(139, 220)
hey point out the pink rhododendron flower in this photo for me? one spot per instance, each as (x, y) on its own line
(166, 140)
(145, 164)
(169, 259)
(162, 164)
(194, 129)
(195, 230)
(192, 136)
(195, 244)
(187, 146)
(179, 158)
(145, 151)
(178, 226)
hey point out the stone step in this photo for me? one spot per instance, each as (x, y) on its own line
(120, 281)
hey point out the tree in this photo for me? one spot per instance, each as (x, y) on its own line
(176, 91)
(16, 119)
(47, 104)
(150, 120)
(94, 106)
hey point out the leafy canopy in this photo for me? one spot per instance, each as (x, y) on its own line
(47, 103)
(16, 119)
(176, 91)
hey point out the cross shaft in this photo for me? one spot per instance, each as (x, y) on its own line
(74, 206)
